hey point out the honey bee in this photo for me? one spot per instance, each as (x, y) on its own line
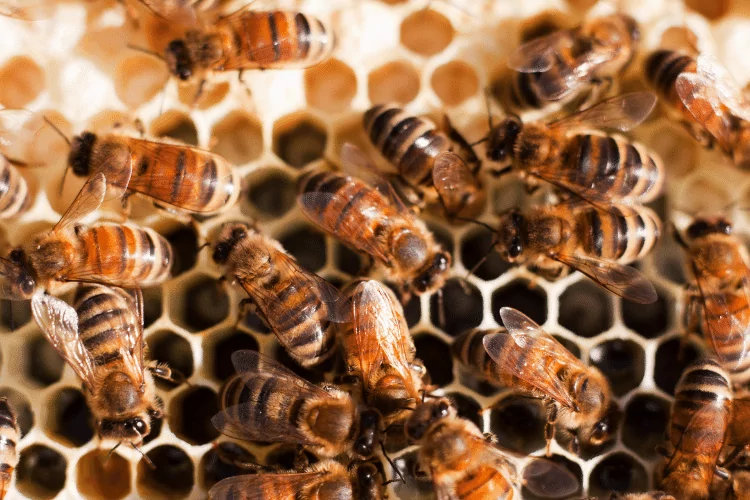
(598, 168)
(580, 409)
(378, 349)
(297, 305)
(654, 495)
(565, 63)
(717, 300)
(375, 223)
(15, 197)
(275, 405)
(719, 106)
(324, 480)
(697, 429)
(102, 340)
(9, 436)
(424, 159)
(553, 239)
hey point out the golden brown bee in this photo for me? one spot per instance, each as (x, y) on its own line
(275, 405)
(379, 350)
(654, 495)
(551, 240)
(102, 340)
(596, 167)
(297, 305)
(9, 436)
(375, 223)
(422, 155)
(324, 480)
(15, 197)
(525, 358)
(717, 300)
(700, 417)
(567, 62)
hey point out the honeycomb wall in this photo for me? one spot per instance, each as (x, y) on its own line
(432, 57)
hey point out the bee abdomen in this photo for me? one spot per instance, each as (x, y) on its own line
(9, 436)
(619, 236)
(663, 67)
(703, 383)
(15, 197)
(484, 482)
(268, 400)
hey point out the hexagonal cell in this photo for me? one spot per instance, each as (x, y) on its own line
(443, 238)
(23, 80)
(202, 303)
(569, 345)
(543, 23)
(396, 81)
(412, 309)
(307, 245)
(101, 474)
(426, 32)
(14, 314)
(223, 350)
(315, 375)
(272, 192)
(285, 457)
(711, 10)
(184, 243)
(70, 418)
(466, 407)
(299, 139)
(573, 467)
(152, 305)
(171, 478)
(436, 356)
(45, 366)
(212, 93)
(347, 260)
(671, 360)
(40, 472)
(669, 260)
(454, 82)
(414, 488)
(521, 295)
(215, 464)
(585, 309)
(175, 125)
(156, 426)
(239, 138)
(168, 347)
(139, 78)
(622, 362)
(518, 423)
(476, 247)
(22, 407)
(645, 423)
(461, 305)
(190, 415)
(648, 320)
(619, 473)
(330, 86)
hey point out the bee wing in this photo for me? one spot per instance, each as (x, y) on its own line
(134, 344)
(453, 181)
(89, 198)
(700, 97)
(548, 479)
(724, 85)
(703, 436)
(538, 55)
(25, 10)
(258, 486)
(738, 433)
(10, 275)
(181, 12)
(526, 332)
(358, 164)
(59, 322)
(624, 281)
(19, 129)
(622, 113)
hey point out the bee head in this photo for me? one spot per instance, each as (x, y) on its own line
(369, 428)
(510, 241)
(705, 226)
(502, 140)
(79, 158)
(178, 59)
(432, 276)
(230, 235)
(132, 430)
(367, 481)
(425, 415)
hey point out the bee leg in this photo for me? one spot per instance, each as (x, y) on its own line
(240, 74)
(248, 306)
(490, 438)
(366, 265)
(199, 92)
(166, 373)
(180, 216)
(301, 461)
(549, 426)
(733, 456)
(229, 458)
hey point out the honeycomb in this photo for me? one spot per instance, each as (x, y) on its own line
(432, 57)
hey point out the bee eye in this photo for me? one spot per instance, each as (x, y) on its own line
(366, 475)
(221, 252)
(363, 446)
(238, 234)
(600, 430)
(515, 249)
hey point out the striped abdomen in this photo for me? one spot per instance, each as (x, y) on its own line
(662, 68)
(410, 143)
(623, 235)
(614, 167)
(726, 316)
(9, 436)
(15, 197)
(482, 483)
(528, 90)
(122, 254)
(275, 39)
(470, 351)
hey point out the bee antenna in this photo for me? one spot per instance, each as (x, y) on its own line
(145, 457)
(393, 465)
(206, 244)
(145, 51)
(488, 106)
(67, 141)
(110, 452)
(477, 222)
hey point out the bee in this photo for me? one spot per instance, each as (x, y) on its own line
(717, 300)
(102, 340)
(525, 358)
(719, 106)
(654, 495)
(423, 156)
(598, 168)
(566, 62)
(697, 429)
(379, 350)
(15, 197)
(9, 436)
(375, 223)
(275, 405)
(322, 481)
(297, 305)
(553, 239)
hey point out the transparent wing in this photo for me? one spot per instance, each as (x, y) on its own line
(703, 436)
(548, 479)
(258, 486)
(738, 433)
(355, 162)
(59, 323)
(12, 276)
(538, 55)
(28, 10)
(526, 333)
(89, 198)
(700, 97)
(19, 129)
(728, 91)
(181, 12)
(134, 342)
(453, 181)
(621, 113)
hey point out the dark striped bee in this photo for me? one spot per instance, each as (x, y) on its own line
(324, 480)
(9, 436)
(551, 240)
(15, 197)
(297, 305)
(102, 340)
(272, 404)
(599, 168)
(567, 62)
(525, 358)
(374, 222)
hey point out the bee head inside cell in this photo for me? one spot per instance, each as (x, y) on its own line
(425, 415)
(79, 158)
(432, 276)
(502, 140)
(178, 60)
(510, 242)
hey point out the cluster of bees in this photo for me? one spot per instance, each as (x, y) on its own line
(593, 221)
